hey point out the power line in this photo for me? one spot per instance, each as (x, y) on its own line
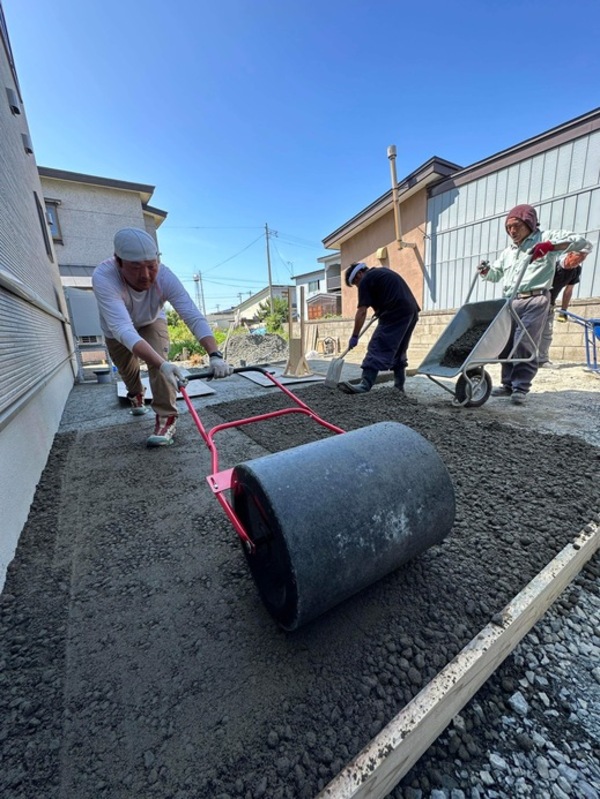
(233, 282)
(231, 257)
(287, 264)
(207, 227)
(300, 241)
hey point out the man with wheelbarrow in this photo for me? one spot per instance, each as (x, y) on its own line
(397, 310)
(131, 289)
(532, 299)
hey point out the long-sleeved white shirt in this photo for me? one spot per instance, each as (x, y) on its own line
(123, 310)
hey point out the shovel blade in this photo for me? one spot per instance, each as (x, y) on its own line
(334, 372)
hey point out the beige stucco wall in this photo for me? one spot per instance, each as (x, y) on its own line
(89, 217)
(407, 261)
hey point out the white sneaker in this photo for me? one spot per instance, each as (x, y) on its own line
(547, 365)
(138, 406)
(164, 431)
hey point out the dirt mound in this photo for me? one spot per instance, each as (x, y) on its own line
(255, 348)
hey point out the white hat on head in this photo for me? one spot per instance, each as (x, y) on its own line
(133, 244)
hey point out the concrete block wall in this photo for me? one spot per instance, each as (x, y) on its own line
(567, 343)
(568, 339)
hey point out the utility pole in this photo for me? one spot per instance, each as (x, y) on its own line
(197, 287)
(269, 269)
(199, 292)
(202, 293)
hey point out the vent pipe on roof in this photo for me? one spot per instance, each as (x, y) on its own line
(391, 154)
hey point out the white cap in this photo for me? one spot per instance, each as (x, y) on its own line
(133, 244)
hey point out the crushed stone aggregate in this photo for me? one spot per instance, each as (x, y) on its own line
(136, 659)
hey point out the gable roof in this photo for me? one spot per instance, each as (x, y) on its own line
(429, 172)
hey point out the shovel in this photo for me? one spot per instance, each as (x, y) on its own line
(334, 372)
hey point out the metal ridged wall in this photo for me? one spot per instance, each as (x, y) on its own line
(466, 224)
(32, 337)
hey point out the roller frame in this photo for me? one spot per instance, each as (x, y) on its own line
(219, 481)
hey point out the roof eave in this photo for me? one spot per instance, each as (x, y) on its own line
(431, 171)
(143, 189)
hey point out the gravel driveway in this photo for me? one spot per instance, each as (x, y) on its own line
(138, 661)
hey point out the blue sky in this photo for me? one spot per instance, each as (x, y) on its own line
(246, 112)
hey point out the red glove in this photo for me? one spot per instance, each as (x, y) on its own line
(541, 249)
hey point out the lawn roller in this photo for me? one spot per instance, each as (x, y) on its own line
(323, 520)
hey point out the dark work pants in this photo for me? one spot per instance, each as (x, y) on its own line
(388, 347)
(533, 312)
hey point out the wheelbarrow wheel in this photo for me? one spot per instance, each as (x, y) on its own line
(475, 393)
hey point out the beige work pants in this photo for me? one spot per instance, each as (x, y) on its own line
(164, 401)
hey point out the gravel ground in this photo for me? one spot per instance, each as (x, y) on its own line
(137, 660)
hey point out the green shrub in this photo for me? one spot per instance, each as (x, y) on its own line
(181, 337)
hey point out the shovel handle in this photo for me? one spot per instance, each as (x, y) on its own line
(364, 330)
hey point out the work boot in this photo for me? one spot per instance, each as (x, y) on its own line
(354, 388)
(399, 379)
(369, 376)
(518, 397)
(164, 431)
(138, 406)
(502, 391)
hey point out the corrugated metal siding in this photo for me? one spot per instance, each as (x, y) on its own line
(466, 225)
(32, 341)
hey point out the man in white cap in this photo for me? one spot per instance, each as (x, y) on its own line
(132, 288)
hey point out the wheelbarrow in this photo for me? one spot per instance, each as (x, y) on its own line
(474, 338)
(321, 521)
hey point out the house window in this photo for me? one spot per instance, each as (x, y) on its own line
(53, 222)
(313, 285)
(43, 225)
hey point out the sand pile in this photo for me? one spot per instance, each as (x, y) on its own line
(255, 349)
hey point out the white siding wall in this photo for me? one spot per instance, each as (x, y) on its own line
(466, 225)
(304, 281)
(36, 371)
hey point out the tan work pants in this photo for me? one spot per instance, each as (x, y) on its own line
(164, 401)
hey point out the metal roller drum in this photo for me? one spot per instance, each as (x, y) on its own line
(332, 517)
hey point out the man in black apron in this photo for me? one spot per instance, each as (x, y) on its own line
(398, 312)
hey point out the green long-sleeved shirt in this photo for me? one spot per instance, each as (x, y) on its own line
(540, 273)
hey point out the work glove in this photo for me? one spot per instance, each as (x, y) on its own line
(220, 368)
(541, 248)
(174, 374)
(561, 315)
(353, 342)
(483, 268)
